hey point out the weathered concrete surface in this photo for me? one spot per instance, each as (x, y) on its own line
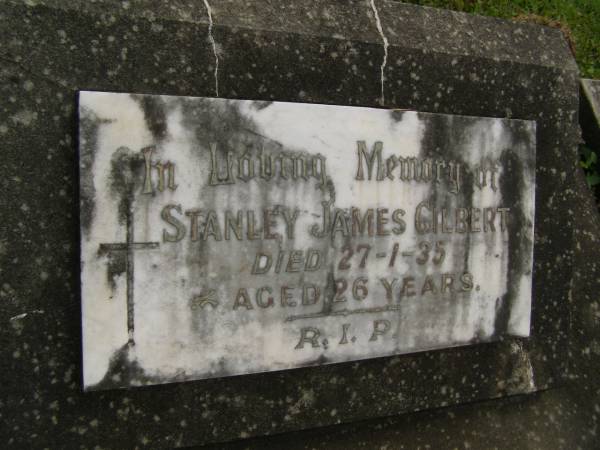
(590, 112)
(333, 53)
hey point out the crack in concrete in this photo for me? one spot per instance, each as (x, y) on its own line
(213, 44)
(385, 49)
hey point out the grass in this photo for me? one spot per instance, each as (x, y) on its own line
(579, 20)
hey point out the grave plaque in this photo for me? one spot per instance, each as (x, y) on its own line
(223, 237)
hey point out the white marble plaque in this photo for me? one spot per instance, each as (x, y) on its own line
(224, 237)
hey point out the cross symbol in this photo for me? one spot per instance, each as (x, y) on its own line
(128, 246)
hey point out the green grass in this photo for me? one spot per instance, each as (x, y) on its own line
(578, 18)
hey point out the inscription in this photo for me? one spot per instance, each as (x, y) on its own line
(427, 170)
(164, 171)
(228, 169)
(271, 236)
